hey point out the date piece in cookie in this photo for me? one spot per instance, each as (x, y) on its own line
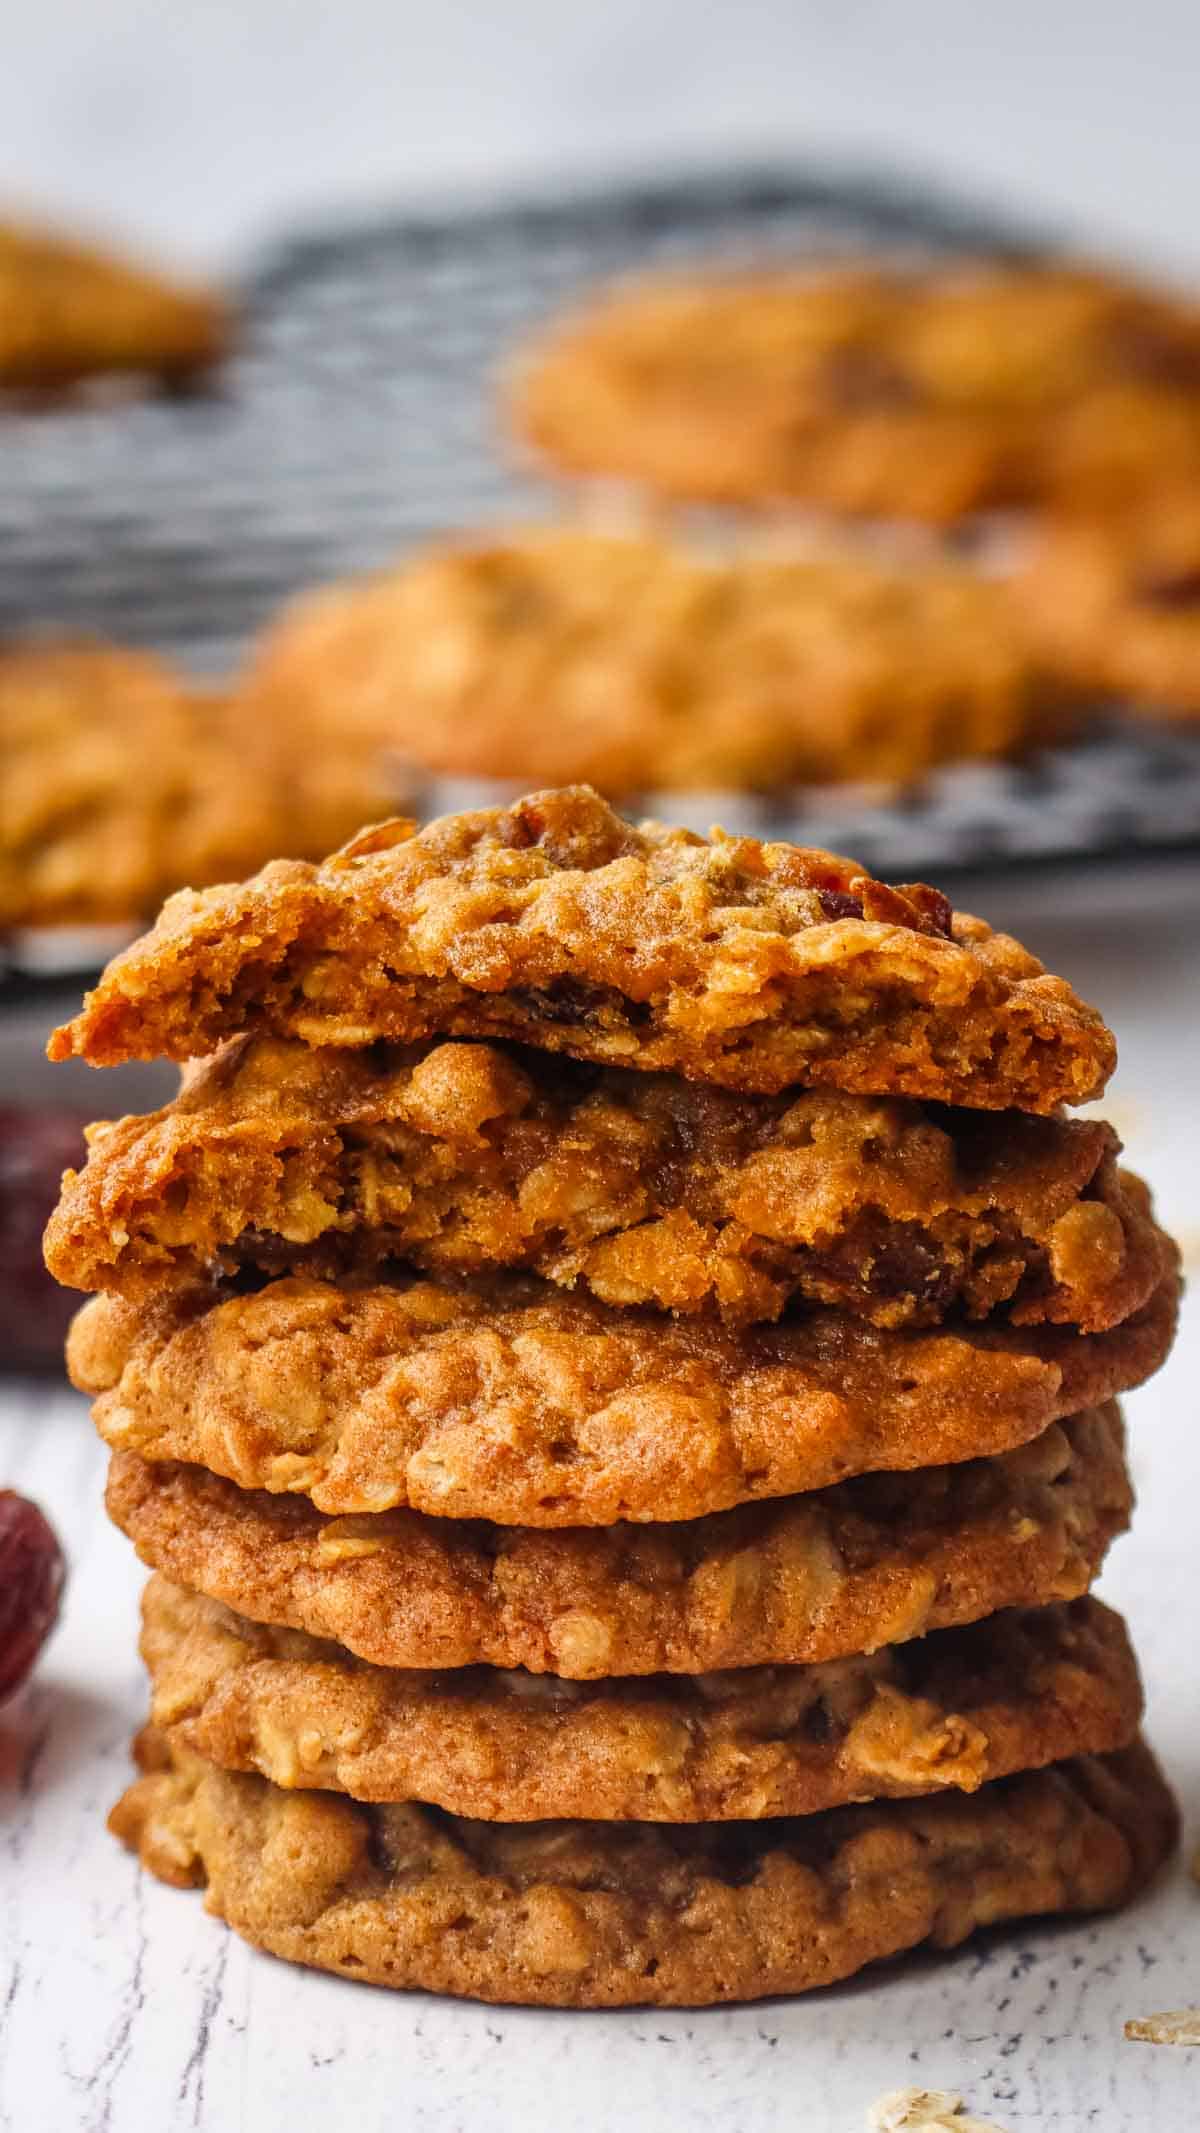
(603, 1914)
(842, 1571)
(562, 656)
(520, 1404)
(929, 394)
(1116, 602)
(69, 312)
(640, 1188)
(555, 922)
(951, 1711)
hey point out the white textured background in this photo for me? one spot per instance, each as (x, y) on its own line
(205, 124)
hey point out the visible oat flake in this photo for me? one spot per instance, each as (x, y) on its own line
(926, 2111)
(1180, 2026)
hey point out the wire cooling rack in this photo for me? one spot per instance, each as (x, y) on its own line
(356, 419)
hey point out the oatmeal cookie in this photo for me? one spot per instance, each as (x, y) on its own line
(553, 921)
(519, 1404)
(601, 1914)
(954, 1710)
(119, 782)
(1115, 449)
(845, 1570)
(556, 656)
(931, 394)
(640, 1188)
(69, 312)
(1116, 602)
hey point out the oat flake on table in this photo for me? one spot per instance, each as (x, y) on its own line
(925, 2111)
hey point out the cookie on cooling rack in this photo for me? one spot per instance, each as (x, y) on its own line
(120, 783)
(554, 655)
(927, 394)
(70, 313)
(1116, 601)
(117, 783)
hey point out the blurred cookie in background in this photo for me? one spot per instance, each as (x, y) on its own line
(69, 313)
(1115, 601)
(117, 784)
(929, 394)
(557, 656)
(120, 782)
(1119, 445)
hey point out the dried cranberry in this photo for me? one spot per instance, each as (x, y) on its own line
(31, 1582)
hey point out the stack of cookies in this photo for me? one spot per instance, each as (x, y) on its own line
(610, 1358)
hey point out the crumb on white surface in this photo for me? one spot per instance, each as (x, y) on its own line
(1180, 2026)
(926, 2111)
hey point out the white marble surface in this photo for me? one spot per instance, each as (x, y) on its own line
(124, 2008)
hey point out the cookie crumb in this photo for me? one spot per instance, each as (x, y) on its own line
(1180, 2026)
(925, 2111)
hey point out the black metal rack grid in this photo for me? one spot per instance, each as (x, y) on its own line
(356, 419)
